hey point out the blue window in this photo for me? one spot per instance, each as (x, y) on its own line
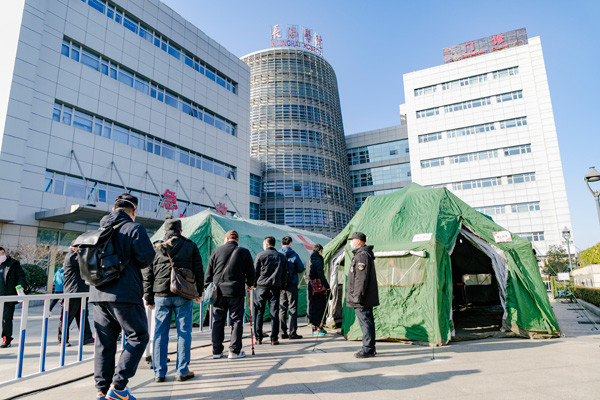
(209, 119)
(209, 74)
(171, 100)
(67, 111)
(83, 121)
(188, 61)
(65, 48)
(174, 52)
(120, 134)
(141, 85)
(146, 34)
(90, 60)
(113, 72)
(56, 112)
(110, 12)
(136, 140)
(130, 24)
(207, 165)
(125, 77)
(98, 5)
(98, 129)
(168, 151)
(75, 53)
(221, 82)
(118, 16)
(184, 156)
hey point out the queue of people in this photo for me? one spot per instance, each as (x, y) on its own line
(124, 273)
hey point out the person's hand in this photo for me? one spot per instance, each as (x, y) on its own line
(198, 299)
(250, 287)
(150, 306)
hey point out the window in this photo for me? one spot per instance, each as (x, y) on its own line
(378, 152)
(380, 175)
(254, 211)
(400, 271)
(428, 112)
(165, 44)
(471, 80)
(511, 123)
(502, 73)
(470, 130)
(425, 90)
(464, 105)
(501, 98)
(476, 156)
(477, 183)
(92, 123)
(433, 162)
(143, 85)
(255, 185)
(491, 210)
(532, 236)
(430, 137)
(517, 150)
(521, 178)
(525, 207)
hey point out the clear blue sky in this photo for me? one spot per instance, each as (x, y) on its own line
(370, 44)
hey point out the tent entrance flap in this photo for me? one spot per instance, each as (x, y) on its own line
(336, 282)
(479, 287)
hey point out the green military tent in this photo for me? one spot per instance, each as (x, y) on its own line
(207, 229)
(438, 258)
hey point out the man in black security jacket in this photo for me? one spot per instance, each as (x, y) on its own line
(270, 270)
(362, 293)
(231, 276)
(118, 305)
(157, 292)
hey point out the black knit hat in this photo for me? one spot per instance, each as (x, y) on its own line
(173, 225)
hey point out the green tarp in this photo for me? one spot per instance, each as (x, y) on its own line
(207, 229)
(413, 232)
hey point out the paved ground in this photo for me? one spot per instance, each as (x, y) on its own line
(565, 368)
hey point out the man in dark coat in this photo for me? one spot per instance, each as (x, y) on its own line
(362, 293)
(174, 250)
(118, 304)
(75, 284)
(270, 269)
(289, 296)
(11, 276)
(231, 268)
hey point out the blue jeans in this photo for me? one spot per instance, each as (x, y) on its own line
(183, 320)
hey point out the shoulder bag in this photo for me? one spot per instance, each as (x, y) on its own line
(183, 281)
(211, 292)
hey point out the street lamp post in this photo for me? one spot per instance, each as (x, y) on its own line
(566, 234)
(594, 176)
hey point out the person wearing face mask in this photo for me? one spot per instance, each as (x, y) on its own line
(11, 276)
(270, 269)
(361, 291)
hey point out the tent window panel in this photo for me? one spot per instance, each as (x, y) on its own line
(400, 271)
(477, 279)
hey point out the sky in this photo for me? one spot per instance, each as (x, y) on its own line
(371, 44)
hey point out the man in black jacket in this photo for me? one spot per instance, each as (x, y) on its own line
(75, 284)
(118, 304)
(230, 267)
(270, 268)
(11, 276)
(362, 293)
(174, 251)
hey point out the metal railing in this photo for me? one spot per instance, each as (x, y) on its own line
(22, 336)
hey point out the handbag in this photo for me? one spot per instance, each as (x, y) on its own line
(183, 281)
(211, 292)
(317, 287)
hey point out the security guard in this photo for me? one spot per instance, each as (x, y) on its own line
(362, 293)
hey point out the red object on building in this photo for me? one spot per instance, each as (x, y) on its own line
(472, 46)
(275, 32)
(307, 35)
(498, 39)
(292, 32)
(221, 209)
(170, 200)
(319, 41)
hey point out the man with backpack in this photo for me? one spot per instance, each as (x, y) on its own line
(174, 251)
(230, 267)
(114, 272)
(289, 296)
(271, 272)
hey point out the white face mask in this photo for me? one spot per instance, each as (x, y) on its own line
(2, 259)
(352, 246)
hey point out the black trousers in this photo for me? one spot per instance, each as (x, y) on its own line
(367, 326)
(289, 301)
(7, 320)
(109, 319)
(74, 311)
(235, 306)
(261, 297)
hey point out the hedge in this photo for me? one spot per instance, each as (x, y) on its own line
(589, 256)
(591, 295)
(35, 277)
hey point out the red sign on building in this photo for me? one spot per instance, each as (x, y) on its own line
(169, 200)
(221, 208)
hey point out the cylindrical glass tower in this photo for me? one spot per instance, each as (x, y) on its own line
(298, 136)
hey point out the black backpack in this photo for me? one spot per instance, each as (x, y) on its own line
(97, 257)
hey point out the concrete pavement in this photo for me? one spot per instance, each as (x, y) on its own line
(565, 368)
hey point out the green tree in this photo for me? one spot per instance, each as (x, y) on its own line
(556, 260)
(35, 277)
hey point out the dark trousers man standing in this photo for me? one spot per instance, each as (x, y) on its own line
(109, 318)
(367, 326)
(7, 320)
(74, 313)
(261, 297)
(235, 307)
(289, 302)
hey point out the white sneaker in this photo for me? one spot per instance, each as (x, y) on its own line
(233, 356)
(217, 356)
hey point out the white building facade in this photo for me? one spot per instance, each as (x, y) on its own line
(112, 97)
(482, 125)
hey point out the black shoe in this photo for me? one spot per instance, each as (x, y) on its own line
(67, 344)
(274, 342)
(182, 378)
(258, 341)
(295, 336)
(88, 341)
(159, 379)
(362, 354)
(285, 336)
(5, 342)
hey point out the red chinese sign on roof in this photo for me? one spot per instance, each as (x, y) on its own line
(485, 45)
(297, 36)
